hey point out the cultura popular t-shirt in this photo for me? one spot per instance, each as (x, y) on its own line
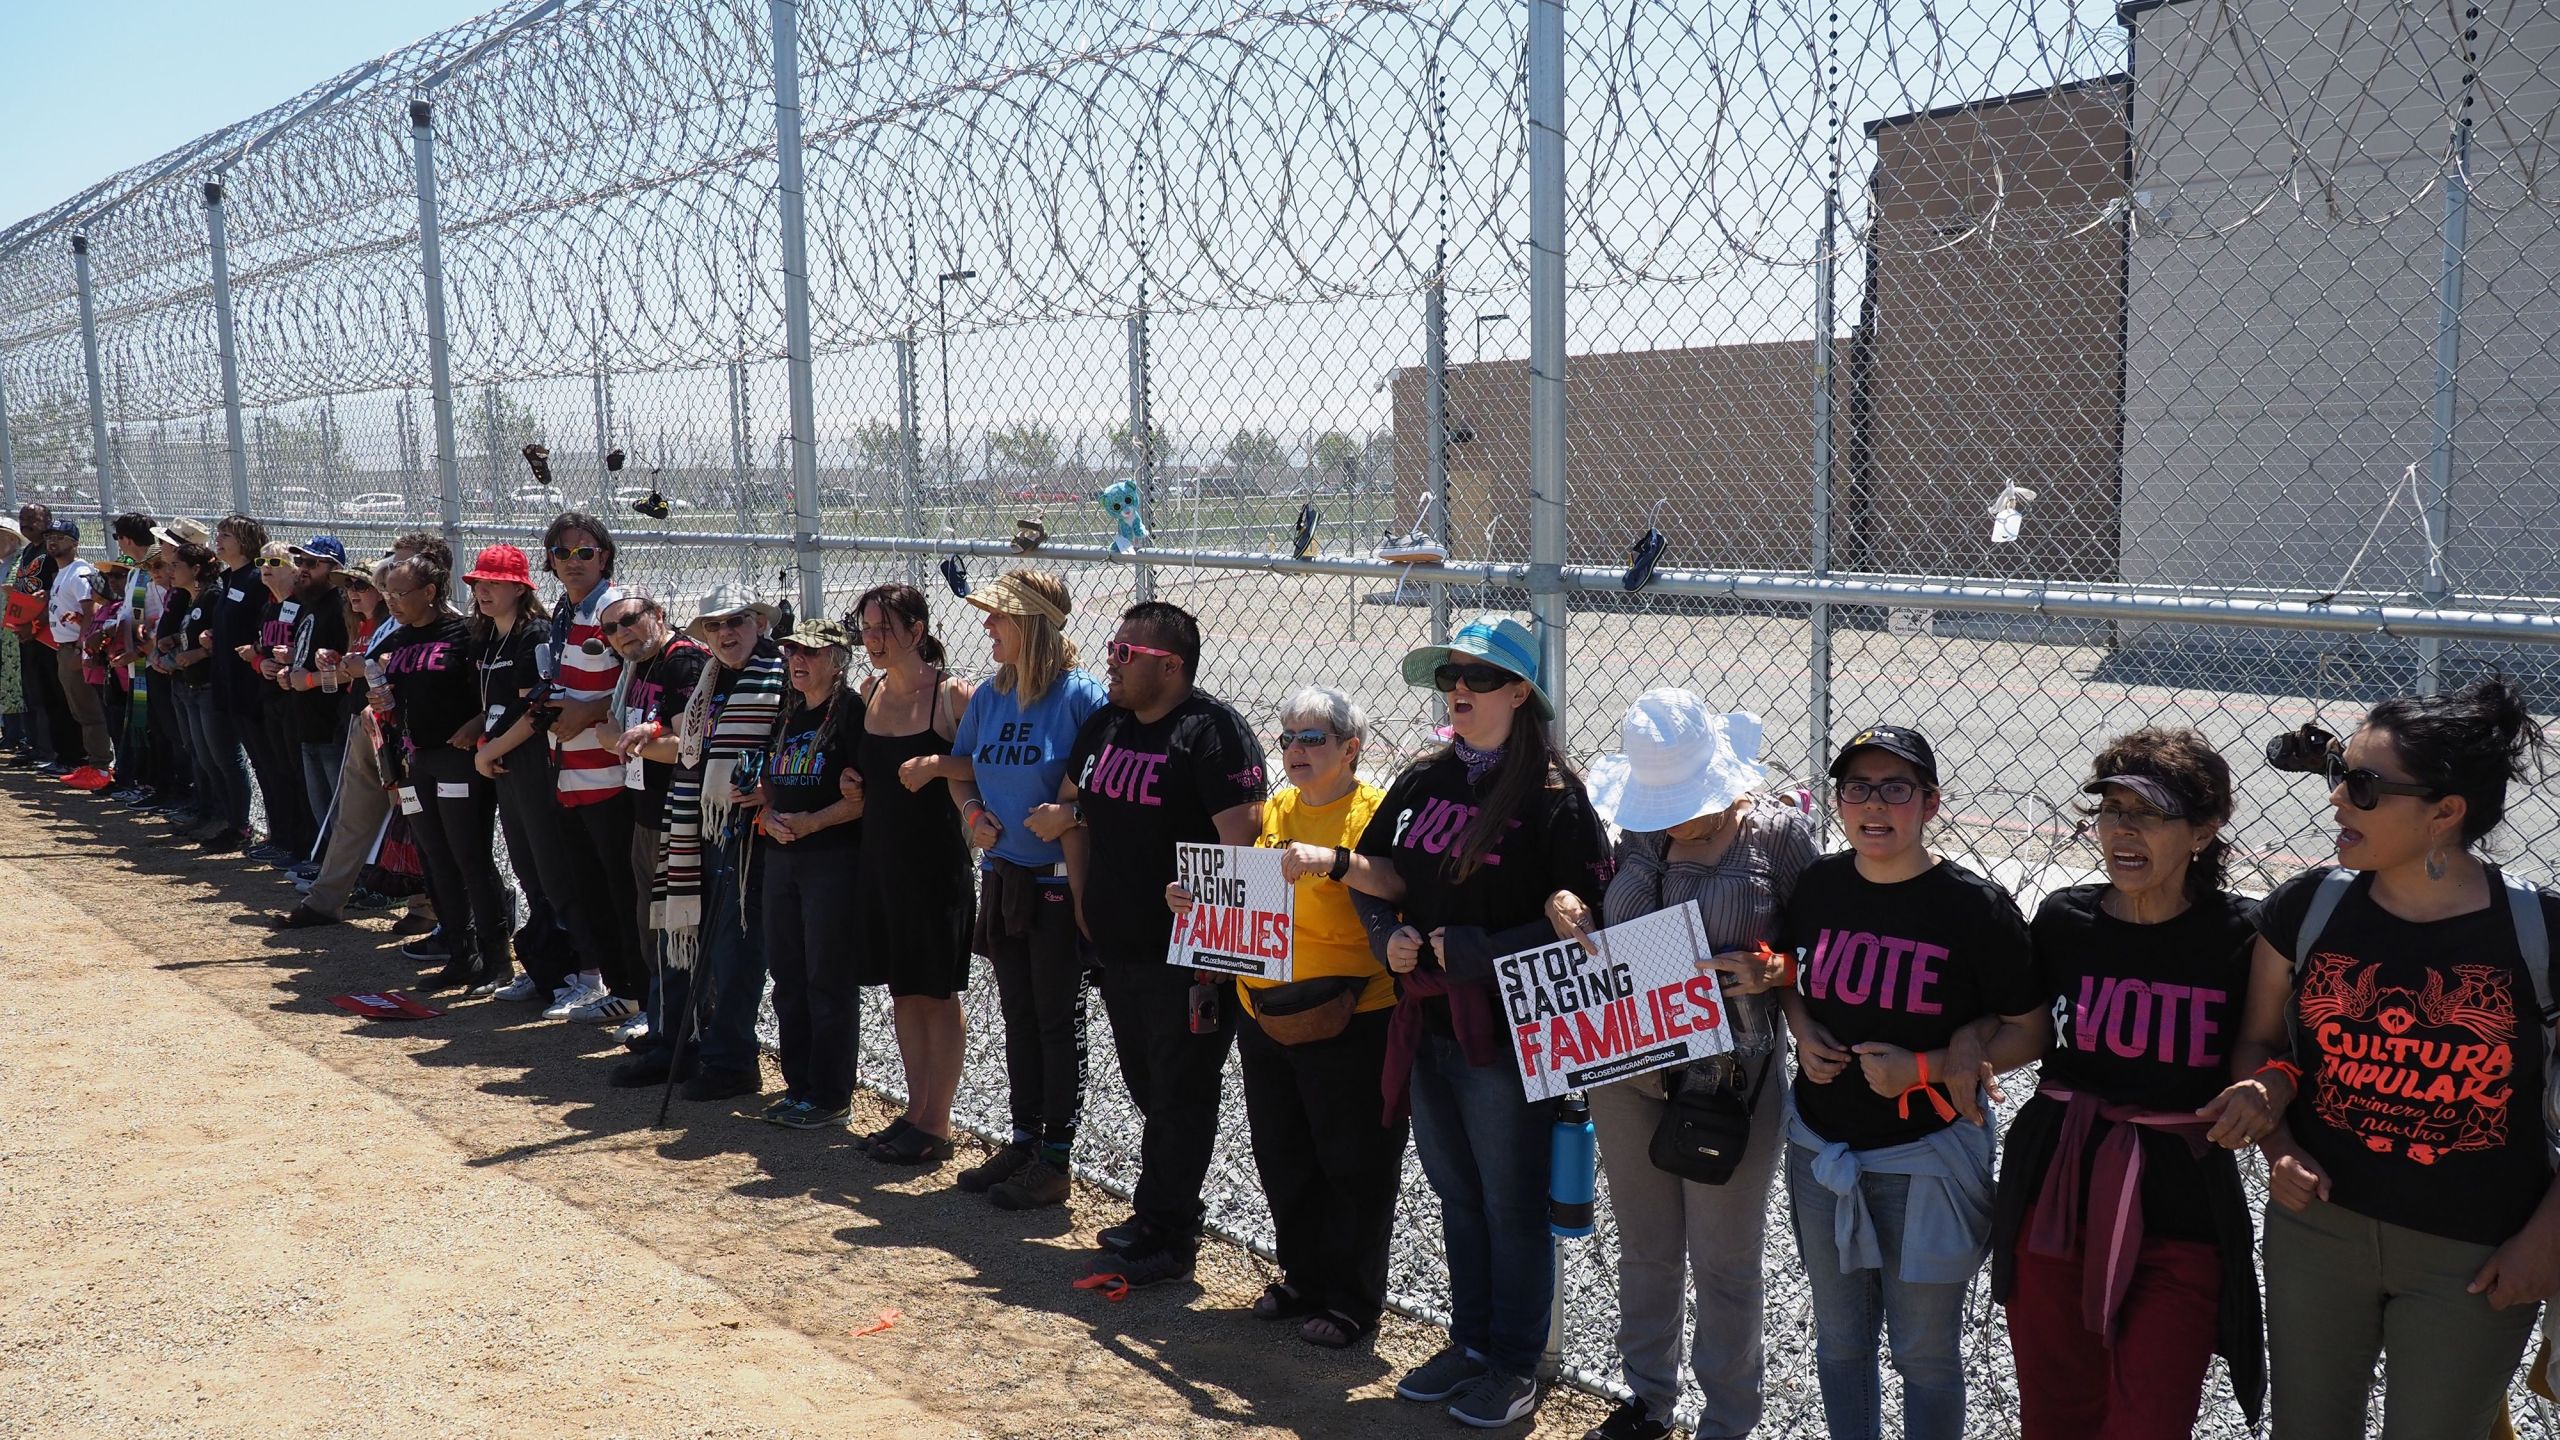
(1906, 964)
(2422, 1061)
(1144, 787)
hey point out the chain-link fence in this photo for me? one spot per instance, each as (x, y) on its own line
(2024, 370)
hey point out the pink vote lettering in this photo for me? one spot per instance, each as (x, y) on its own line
(1888, 972)
(1127, 775)
(2149, 1020)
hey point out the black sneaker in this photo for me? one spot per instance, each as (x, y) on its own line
(300, 917)
(366, 902)
(225, 842)
(1630, 1421)
(413, 923)
(996, 1169)
(1126, 1236)
(647, 1068)
(721, 1085)
(428, 947)
(1155, 1264)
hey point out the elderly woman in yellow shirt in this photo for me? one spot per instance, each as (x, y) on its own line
(1312, 1047)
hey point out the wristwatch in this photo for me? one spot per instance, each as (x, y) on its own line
(1075, 811)
(1341, 863)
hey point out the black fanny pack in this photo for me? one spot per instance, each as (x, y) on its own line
(1706, 1119)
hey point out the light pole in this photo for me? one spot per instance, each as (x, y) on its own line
(1481, 322)
(942, 328)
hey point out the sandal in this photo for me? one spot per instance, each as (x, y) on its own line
(1332, 1330)
(883, 1135)
(1281, 1301)
(912, 1146)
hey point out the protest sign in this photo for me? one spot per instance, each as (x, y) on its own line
(1580, 1019)
(1243, 914)
(387, 1005)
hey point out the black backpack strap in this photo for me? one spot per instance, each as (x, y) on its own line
(2533, 939)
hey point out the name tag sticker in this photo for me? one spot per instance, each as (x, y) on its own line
(410, 804)
(453, 789)
(234, 594)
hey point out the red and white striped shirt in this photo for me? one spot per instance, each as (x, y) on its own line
(590, 769)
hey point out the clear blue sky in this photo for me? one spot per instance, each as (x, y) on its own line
(86, 90)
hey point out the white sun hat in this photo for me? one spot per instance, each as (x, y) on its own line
(1679, 761)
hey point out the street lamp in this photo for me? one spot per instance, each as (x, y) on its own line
(1481, 322)
(942, 326)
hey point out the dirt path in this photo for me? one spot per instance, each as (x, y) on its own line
(228, 1209)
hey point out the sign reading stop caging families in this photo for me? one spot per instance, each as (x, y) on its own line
(1243, 915)
(1580, 1019)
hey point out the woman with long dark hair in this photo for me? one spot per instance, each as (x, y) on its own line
(2120, 1239)
(913, 892)
(813, 834)
(1482, 848)
(2393, 1066)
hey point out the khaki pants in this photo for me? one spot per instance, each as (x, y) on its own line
(363, 804)
(87, 710)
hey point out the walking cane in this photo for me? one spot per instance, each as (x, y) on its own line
(695, 981)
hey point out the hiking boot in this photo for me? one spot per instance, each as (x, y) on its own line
(1033, 1187)
(996, 1169)
(1441, 1376)
(1632, 1420)
(721, 1085)
(300, 917)
(1493, 1400)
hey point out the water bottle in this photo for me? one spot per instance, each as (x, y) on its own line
(376, 681)
(1573, 1169)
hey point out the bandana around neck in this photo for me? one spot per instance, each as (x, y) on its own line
(1478, 762)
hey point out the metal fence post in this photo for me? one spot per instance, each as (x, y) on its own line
(1142, 439)
(1435, 430)
(795, 304)
(89, 364)
(1818, 618)
(1546, 345)
(422, 154)
(226, 346)
(910, 452)
(604, 442)
(8, 455)
(2439, 507)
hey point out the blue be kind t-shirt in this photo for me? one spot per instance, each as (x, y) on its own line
(1021, 756)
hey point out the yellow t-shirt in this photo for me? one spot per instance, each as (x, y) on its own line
(1330, 940)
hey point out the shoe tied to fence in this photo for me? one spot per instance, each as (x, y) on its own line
(1033, 1187)
(581, 991)
(1632, 1420)
(987, 1174)
(1493, 1400)
(1439, 1377)
(89, 778)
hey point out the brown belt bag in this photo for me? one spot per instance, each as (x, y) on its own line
(1305, 1011)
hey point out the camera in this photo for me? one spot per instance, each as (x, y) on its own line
(2303, 752)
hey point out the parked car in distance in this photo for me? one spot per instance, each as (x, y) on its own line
(375, 502)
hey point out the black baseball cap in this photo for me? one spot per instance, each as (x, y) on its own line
(1895, 740)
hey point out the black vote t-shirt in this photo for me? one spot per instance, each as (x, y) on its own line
(1145, 787)
(238, 605)
(2422, 1061)
(805, 768)
(1556, 843)
(2143, 1015)
(659, 690)
(507, 674)
(1907, 964)
(435, 684)
(319, 716)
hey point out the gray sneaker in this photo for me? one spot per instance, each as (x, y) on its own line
(805, 1116)
(1439, 1377)
(1493, 1400)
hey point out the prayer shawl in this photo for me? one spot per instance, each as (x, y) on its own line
(698, 797)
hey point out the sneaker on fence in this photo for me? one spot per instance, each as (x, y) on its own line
(1441, 1376)
(523, 987)
(996, 1169)
(1632, 1420)
(606, 1009)
(581, 991)
(1493, 1400)
(1033, 1187)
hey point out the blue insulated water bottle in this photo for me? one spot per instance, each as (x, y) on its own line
(1573, 1169)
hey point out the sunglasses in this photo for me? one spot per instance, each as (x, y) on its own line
(2365, 789)
(275, 562)
(575, 552)
(1123, 652)
(1891, 792)
(728, 622)
(1310, 739)
(311, 562)
(1482, 679)
(627, 622)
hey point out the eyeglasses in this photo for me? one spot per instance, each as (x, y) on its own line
(627, 622)
(2365, 788)
(390, 594)
(575, 552)
(1891, 792)
(1310, 739)
(2127, 817)
(1482, 679)
(728, 622)
(1122, 651)
(309, 562)
(272, 562)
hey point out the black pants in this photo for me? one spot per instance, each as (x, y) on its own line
(48, 713)
(817, 1007)
(1329, 1169)
(1174, 1076)
(551, 946)
(456, 832)
(129, 760)
(275, 756)
(600, 833)
(1040, 986)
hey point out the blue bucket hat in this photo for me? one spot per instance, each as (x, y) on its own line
(1497, 640)
(323, 547)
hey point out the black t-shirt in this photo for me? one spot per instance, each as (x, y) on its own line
(504, 665)
(659, 688)
(319, 716)
(182, 619)
(1144, 788)
(435, 686)
(1557, 843)
(1907, 964)
(2145, 1015)
(2422, 1061)
(804, 768)
(238, 606)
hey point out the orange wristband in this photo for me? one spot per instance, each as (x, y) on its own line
(2286, 1068)
(1946, 1111)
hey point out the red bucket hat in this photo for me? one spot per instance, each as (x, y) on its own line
(502, 562)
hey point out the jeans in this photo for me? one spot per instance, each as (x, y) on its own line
(1330, 1170)
(1175, 1077)
(222, 767)
(817, 1007)
(1483, 1146)
(320, 762)
(732, 953)
(1852, 1311)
